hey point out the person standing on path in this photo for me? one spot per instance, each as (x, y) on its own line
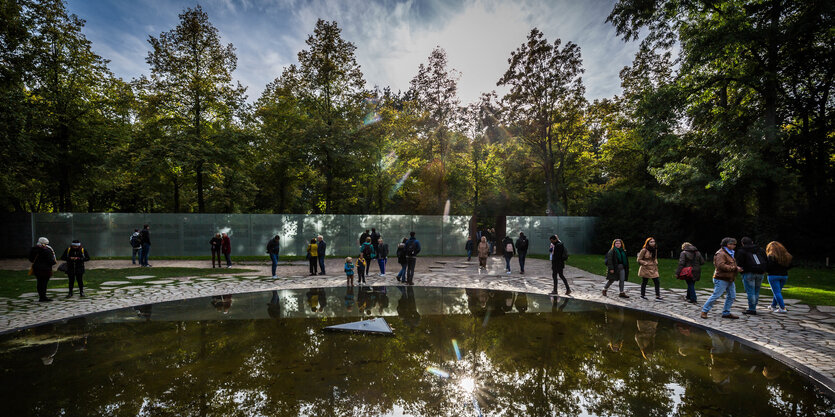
(135, 245)
(226, 248)
(469, 248)
(412, 250)
(558, 257)
(145, 234)
(382, 256)
(312, 254)
(617, 267)
(483, 253)
(42, 257)
(361, 264)
(509, 249)
(363, 236)
(401, 259)
(367, 250)
(752, 259)
(779, 262)
(320, 249)
(691, 258)
(216, 242)
(489, 237)
(522, 250)
(374, 238)
(349, 271)
(75, 256)
(723, 278)
(648, 269)
(272, 250)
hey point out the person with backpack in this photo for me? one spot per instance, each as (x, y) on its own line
(558, 257)
(135, 245)
(145, 236)
(401, 259)
(272, 250)
(689, 269)
(412, 250)
(226, 248)
(368, 252)
(382, 256)
(216, 242)
(75, 256)
(617, 267)
(469, 248)
(522, 250)
(509, 249)
(753, 261)
(320, 247)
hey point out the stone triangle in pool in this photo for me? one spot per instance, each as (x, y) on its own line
(373, 326)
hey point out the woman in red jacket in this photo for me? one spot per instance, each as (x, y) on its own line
(226, 248)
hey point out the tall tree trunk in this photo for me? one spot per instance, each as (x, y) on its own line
(176, 183)
(201, 206)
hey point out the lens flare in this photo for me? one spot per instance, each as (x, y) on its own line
(446, 211)
(457, 352)
(467, 384)
(437, 372)
(400, 182)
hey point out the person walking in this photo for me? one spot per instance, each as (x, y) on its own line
(312, 254)
(145, 234)
(489, 237)
(469, 248)
(558, 257)
(617, 267)
(483, 253)
(135, 245)
(723, 278)
(689, 269)
(216, 242)
(752, 259)
(75, 256)
(272, 250)
(382, 256)
(226, 248)
(42, 257)
(522, 251)
(401, 259)
(779, 260)
(648, 269)
(412, 251)
(509, 250)
(320, 249)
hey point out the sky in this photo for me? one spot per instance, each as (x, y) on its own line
(392, 37)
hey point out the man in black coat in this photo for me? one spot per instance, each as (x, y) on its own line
(752, 259)
(558, 256)
(320, 250)
(145, 236)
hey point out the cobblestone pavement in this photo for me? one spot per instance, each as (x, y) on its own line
(806, 334)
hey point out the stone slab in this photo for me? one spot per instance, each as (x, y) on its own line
(141, 276)
(115, 282)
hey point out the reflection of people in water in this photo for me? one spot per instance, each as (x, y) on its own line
(144, 311)
(685, 342)
(521, 302)
(558, 303)
(723, 364)
(78, 326)
(407, 306)
(274, 306)
(317, 300)
(645, 337)
(364, 300)
(222, 303)
(477, 301)
(380, 299)
(349, 298)
(613, 315)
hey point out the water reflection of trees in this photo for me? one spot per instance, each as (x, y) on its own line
(577, 357)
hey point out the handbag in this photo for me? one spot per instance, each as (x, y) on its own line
(63, 267)
(686, 273)
(32, 267)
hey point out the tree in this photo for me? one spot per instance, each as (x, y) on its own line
(542, 78)
(191, 72)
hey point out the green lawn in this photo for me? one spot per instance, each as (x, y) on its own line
(814, 286)
(14, 283)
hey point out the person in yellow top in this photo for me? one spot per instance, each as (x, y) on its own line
(312, 253)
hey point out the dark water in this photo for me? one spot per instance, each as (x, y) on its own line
(455, 352)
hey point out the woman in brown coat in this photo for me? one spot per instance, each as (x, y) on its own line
(723, 278)
(483, 252)
(648, 259)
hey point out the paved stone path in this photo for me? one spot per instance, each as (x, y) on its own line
(806, 334)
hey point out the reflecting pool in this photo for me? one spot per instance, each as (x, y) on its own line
(454, 352)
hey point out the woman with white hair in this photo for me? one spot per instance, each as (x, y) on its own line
(42, 257)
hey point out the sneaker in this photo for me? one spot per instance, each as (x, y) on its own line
(703, 315)
(228, 266)
(730, 316)
(274, 277)
(643, 297)
(508, 272)
(659, 299)
(69, 295)
(750, 312)
(623, 295)
(782, 310)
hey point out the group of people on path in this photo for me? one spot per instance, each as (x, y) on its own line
(750, 260)
(372, 246)
(221, 243)
(140, 242)
(43, 257)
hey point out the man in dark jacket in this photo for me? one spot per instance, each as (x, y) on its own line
(145, 235)
(469, 248)
(558, 257)
(412, 250)
(752, 259)
(363, 237)
(75, 256)
(382, 255)
(522, 250)
(320, 250)
(215, 243)
(375, 237)
(272, 250)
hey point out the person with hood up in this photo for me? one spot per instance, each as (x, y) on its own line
(75, 256)
(689, 269)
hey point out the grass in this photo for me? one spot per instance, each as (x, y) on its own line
(241, 258)
(15, 283)
(814, 286)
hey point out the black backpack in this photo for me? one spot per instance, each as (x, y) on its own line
(366, 251)
(411, 248)
(755, 261)
(135, 241)
(522, 245)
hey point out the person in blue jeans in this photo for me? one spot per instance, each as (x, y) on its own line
(145, 237)
(777, 264)
(401, 259)
(272, 250)
(723, 279)
(751, 258)
(320, 248)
